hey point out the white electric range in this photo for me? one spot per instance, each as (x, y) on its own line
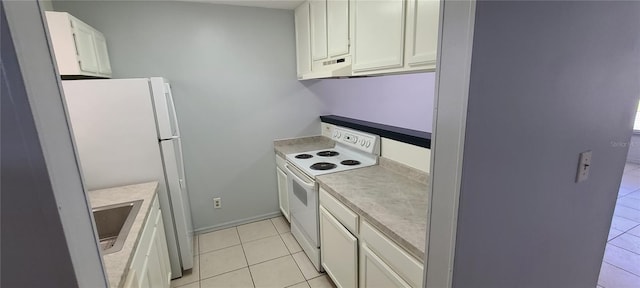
(353, 149)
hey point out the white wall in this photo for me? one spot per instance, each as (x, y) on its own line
(548, 80)
(232, 71)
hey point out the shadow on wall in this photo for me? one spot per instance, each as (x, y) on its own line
(399, 100)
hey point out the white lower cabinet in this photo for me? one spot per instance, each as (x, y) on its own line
(374, 272)
(400, 265)
(150, 265)
(283, 193)
(355, 254)
(339, 255)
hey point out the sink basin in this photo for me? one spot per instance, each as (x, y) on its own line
(113, 223)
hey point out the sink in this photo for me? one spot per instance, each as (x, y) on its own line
(113, 223)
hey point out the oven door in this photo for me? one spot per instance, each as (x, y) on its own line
(303, 203)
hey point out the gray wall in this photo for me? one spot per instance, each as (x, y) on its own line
(47, 234)
(634, 148)
(233, 75)
(548, 80)
(29, 211)
(46, 5)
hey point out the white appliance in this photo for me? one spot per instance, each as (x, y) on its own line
(126, 132)
(353, 150)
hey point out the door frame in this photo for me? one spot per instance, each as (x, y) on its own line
(456, 27)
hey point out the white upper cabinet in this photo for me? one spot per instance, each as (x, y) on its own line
(318, 21)
(85, 46)
(338, 27)
(80, 50)
(378, 35)
(104, 67)
(303, 41)
(422, 33)
(367, 37)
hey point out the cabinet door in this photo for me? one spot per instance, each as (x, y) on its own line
(154, 267)
(104, 67)
(378, 35)
(145, 282)
(318, 12)
(375, 273)
(85, 46)
(337, 27)
(163, 252)
(132, 279)
(303, 40)
(422, 32)
(283, 195)
(339, 255)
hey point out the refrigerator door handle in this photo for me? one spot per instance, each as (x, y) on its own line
(171, 138)
(171, 105)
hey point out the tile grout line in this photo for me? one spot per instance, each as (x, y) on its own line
(624, 249)
(296, 262)
(305, 281)
(234, 270)
(626, 231)
(300, 269)
(634, 274)
(245, 258)
(626, 205)
(626, 217)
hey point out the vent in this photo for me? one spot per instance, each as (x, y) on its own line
(331, 62)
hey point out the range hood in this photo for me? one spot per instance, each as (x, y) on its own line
(339, 67)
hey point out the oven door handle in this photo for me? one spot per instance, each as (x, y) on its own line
(298, 178)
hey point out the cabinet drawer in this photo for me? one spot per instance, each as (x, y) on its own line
(339, 211)
(393, 255)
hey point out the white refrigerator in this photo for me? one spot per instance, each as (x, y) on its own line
(126, 132)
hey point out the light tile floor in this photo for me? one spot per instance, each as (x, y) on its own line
(258, 254)
(621, 263)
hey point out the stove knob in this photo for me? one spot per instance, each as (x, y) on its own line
(338, 134)
(368, 143)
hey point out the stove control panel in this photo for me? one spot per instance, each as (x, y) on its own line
(359, 140)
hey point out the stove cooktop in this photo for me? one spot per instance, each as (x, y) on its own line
(325, 161)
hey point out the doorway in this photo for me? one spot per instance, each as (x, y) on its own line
(621, 262)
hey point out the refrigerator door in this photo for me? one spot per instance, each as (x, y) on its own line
(165, 111)
(174, 172)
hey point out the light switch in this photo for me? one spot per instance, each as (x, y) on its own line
(584, 166)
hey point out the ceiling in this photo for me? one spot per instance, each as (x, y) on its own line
(275, 4)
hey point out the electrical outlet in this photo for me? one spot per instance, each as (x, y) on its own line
(217, 203)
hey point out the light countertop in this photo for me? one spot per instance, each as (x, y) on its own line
(117, 264)
(391, 196)
(297, 145)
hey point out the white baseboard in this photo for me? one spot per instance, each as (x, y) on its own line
(236, 222)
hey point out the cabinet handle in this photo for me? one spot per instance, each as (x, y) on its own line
(75, 42)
